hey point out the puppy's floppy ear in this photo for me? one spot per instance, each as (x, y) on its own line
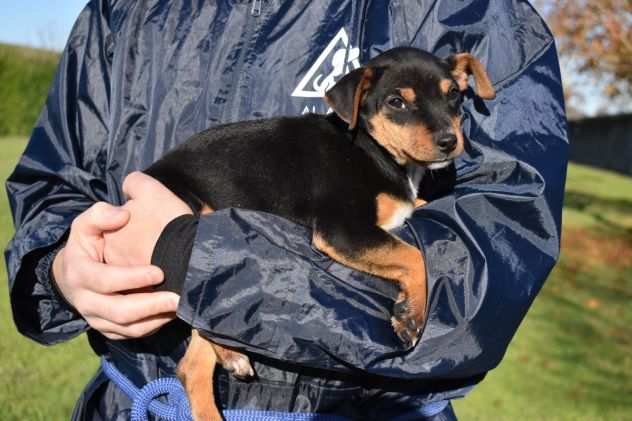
(463, 65)
(346, 95)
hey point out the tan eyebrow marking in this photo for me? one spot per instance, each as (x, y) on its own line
(445, 85)
(408, 94)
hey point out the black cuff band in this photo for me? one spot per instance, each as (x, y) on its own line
(173, 251)
(45, 268)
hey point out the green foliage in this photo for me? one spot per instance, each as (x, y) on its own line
(570, 360)
(25, 77)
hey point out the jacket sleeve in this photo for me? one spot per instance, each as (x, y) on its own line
(60, 174)
(256, 283)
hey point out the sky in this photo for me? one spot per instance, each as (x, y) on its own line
(38, 23)
(47, 24)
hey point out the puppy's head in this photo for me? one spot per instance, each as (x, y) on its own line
(409, 101)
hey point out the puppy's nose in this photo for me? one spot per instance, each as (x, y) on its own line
(447, 143)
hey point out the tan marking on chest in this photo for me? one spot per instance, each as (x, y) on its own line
(419, 203)
(392, 212)
(206, 209)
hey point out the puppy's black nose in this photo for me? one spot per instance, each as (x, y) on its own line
(447, 143)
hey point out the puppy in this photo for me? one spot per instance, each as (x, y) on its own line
(350, 176)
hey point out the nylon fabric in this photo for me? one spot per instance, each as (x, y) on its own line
(139, 77)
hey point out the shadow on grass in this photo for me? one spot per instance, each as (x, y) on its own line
(581, 201)
(601, 208)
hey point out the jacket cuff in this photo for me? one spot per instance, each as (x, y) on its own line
(173, 251)
(34, 293)
(44, 274)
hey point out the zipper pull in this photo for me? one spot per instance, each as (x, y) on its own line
(256, 8)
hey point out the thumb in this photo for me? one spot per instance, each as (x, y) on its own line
(100, 217)
(138, 183)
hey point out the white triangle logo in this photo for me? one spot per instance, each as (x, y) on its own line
(338, 59)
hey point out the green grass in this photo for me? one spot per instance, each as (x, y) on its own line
(570, 360)
(599, 200)
(38, 383)
(25, 77)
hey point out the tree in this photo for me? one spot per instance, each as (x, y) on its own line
(596, 36)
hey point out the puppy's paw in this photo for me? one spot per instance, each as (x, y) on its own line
(408, 321)
(238, 365)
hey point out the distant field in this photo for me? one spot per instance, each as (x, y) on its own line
(571, 359)
(25, 77)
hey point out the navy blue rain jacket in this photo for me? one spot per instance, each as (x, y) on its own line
(139, 77)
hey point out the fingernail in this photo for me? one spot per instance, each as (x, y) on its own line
(155, 274)
(114, 211)
(171, 302)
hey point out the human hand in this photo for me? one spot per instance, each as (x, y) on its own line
(151, 207)
(101, 292)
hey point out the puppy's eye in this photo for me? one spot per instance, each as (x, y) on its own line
(396, 102)
(453, 93)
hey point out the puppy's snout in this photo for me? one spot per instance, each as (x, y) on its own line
(447, 143)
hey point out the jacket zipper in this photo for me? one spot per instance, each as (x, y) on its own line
(256, 8)
(233, 108)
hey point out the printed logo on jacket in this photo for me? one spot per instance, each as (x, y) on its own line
(337, 59)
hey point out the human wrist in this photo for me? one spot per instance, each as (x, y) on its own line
(54, 268)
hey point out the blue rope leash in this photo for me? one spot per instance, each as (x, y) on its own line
(145, 400)
(426, 411)
(178, 409)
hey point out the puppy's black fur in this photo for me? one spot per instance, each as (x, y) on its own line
(348, 175)
(308, 169)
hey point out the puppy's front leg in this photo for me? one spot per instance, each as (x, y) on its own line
(375, 251)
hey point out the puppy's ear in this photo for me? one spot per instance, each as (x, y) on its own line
(346, 95)
(463, 65)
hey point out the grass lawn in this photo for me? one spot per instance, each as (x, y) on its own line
(571, 358)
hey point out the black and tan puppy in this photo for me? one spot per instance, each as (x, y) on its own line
(350, 176)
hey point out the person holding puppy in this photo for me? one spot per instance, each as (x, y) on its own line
(138, 78)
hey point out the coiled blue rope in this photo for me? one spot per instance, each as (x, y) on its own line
(145, 400)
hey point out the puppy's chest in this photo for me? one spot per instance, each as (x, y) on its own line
(392, 211)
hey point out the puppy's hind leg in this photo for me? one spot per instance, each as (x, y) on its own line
(234, 362)
(195, 370)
